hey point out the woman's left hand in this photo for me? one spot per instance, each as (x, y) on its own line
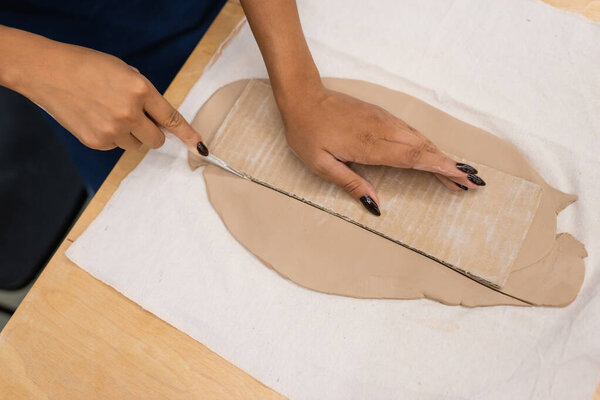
(328, 129)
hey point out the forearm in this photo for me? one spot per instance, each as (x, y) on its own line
(29, 61)
(276, 27)
(16, 50)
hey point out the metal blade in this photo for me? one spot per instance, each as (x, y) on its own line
(222, 164)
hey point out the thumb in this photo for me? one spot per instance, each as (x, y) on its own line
(337, 172)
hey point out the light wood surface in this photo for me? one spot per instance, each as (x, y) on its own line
(75, 337)
(588, 8)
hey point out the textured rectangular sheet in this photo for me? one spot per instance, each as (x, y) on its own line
(478, 232)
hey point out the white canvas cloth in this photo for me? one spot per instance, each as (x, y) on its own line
(518, 68)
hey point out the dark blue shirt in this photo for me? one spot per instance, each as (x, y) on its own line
(155, 36)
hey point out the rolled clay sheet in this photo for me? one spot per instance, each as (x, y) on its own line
(325, 253)
(477, 232)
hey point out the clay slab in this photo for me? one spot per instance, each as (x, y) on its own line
(547, 271)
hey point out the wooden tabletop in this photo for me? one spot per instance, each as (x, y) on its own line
(75, 337)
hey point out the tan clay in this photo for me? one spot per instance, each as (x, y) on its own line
(325, 253)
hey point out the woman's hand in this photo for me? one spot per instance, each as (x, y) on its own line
(328, 129)
(101, 100)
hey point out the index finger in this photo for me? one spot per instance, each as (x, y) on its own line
(420, 154)
(438, 162)
(166, 116)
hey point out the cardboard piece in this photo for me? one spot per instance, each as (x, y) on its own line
(477, 233)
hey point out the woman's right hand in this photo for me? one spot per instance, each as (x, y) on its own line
(97, 97)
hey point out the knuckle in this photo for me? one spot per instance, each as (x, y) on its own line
(108, 146)
(411, 129)
(429, 146)
(368, 138)
(138, 85)
(95, 143)
(376, 115)
(90, 142)
(321, 167)
(104, 130)
(109, 130)
(173, 120)
(127, 113)
(158, 141)
(415, 153)
(352, 186)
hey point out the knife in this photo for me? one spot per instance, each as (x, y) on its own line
(222, 164)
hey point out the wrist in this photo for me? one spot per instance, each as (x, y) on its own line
(298, 89)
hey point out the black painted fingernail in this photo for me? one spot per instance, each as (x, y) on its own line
(202, 149)
(463, 187)
(370, 205)
(466, 168)
(476, 180)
